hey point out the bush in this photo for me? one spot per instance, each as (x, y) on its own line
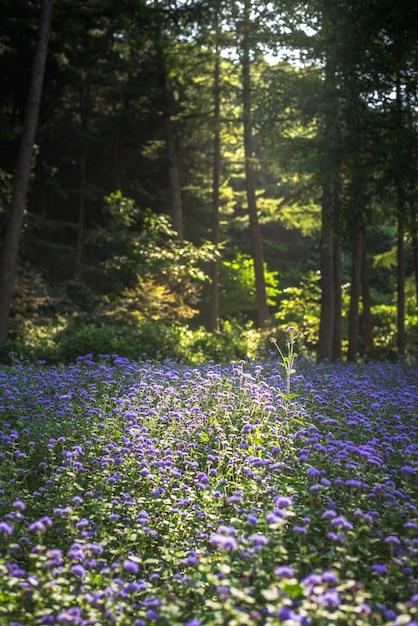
(151, 339)
(232, 342)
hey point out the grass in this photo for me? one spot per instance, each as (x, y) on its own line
(158, 493)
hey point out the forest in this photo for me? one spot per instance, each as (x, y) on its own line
(203, 175)
(209, 313)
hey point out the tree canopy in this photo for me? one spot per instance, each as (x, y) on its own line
(203, 163)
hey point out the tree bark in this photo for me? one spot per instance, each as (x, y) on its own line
(214, 270)
(255, 233)
(338, 304)
(329, 340)
(353, 314)
(84, 104)
(367, 318)
(327, 317)
(400, 322)
(22, 174)
(400, 251)
(173, 165)
(414, 237)
(168, 127)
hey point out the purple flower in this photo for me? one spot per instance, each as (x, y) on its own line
(83, 523)
(285, 614)
(18, 504)
(282, 502)
(224, 542)
(130, 566)
(330, 577)
(393, 540)
(78, 570)
(252, 519)
(272, 518)
(312, 580)
(76, 551)
(353, 483)
(258, 539)
(40, 525)
(329, 598)
(380, 568)
(341, 522)
(6, 528)
(285, 571)
(313, 471)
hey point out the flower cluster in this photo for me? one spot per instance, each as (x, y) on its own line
(157, 493)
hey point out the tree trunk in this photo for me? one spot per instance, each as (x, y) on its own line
(329, 340)
(414, 237)
(173, 164)
(338, 304)
(255, 233)
(214, 271)
(367, 318)
(22, 174)
(168, 127)
(327, 318)
(84, 105)
(353, 314)
(400, 322)
(81, 209)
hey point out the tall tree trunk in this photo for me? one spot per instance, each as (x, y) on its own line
(338, 303)
(327, 318)
(168, 127)
(214, 271)
(329, 340)
(400, 322)
(173, 164)
(367, 318)
(84, 105)
(353, 314)
(414, 237)
(255, 232)
(81, 208)
(21, 178)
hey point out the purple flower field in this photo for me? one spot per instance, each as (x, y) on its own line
(149, 493)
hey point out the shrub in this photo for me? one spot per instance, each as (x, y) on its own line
(151, 339)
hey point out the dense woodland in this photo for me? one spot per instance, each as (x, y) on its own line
(205, 174)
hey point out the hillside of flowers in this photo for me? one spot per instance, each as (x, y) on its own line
(139, 493)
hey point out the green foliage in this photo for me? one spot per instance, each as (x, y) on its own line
(288, 357)
(237, 292)
(152, 340)
(144, 265)
(300, 307)
(64, 341)
(231, 342)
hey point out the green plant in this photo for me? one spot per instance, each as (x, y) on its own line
(237, 294)
(300, 307)
(288, 360)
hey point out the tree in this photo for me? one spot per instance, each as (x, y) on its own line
(329, 340)
(250, 184)
(22, 174)
(215, 235)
